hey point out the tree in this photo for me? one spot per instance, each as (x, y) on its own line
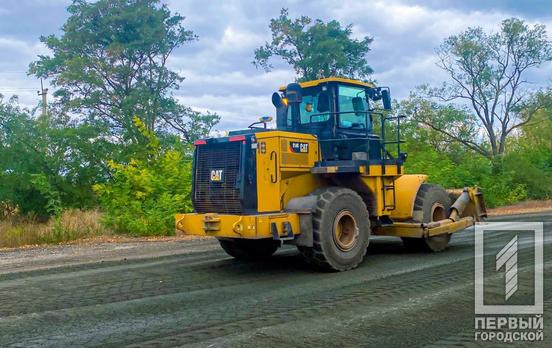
(488, 73)
(533, 148)
(524, 171)
(537, 132)
(41, 158)
(146, 193)
(438, 123)
(315, 49)
(110, 64)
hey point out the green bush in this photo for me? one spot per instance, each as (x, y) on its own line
(504, 181)
(49, 160)
(144, 195)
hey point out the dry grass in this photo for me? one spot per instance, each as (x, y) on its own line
(85, 226)
(73, 224)
(522, 208)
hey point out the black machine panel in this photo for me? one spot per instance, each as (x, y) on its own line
(224, 178)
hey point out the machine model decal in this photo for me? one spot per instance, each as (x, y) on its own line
(297, 147)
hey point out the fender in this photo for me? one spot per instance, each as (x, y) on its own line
(304, 207)
(406, 188)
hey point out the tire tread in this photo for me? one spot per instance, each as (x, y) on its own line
(315, 255)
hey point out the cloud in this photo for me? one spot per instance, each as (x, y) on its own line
(418, 70)
(229, 50)
(397, 18)
(403, 32)
(237, 111)
(15, 56)
(22, 48)
(218, 70)
(233, 82)
(235, 40)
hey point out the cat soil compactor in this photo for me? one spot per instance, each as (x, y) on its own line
(326, 179)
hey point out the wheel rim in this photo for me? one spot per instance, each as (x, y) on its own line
(345, 231)
(440, 241)
(438, 212)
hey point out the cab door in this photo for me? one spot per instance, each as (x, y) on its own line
(353, 121)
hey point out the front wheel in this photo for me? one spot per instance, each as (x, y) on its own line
(432, 204)
(341, 230)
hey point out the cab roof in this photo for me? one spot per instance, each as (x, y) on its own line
(331, 79)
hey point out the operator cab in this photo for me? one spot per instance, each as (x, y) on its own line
(341, 113)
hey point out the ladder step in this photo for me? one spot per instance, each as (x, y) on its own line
(287, 229)
(386, 188)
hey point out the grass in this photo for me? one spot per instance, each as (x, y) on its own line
(72, 225)
(529, 206)
(77, 224)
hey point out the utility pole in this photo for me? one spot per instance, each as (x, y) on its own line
(44, 94)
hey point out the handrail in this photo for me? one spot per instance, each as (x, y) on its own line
(274, 179)
(331, 113)
(346, 139)
(384, 153)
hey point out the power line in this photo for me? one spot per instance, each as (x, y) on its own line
(17, 89)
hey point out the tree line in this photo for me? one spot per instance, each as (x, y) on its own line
(115, 136)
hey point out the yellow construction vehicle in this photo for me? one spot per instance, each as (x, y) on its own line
(326, 179)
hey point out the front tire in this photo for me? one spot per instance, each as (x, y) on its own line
(432, 204)
(249, 249)
(341, 230)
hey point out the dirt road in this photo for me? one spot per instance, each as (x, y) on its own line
(191, 293)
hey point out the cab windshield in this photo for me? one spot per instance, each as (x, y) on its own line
(349, 105)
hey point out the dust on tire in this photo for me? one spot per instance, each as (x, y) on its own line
(325, 253)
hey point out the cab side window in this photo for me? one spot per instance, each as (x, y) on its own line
(315, 108)
(353, 108)
(308, 109)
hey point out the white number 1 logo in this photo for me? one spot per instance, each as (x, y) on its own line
(507, 257)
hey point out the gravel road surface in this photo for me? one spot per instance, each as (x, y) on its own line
(190, 293)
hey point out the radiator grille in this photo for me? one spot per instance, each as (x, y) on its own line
(217, 197)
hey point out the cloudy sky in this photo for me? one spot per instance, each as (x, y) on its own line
(218, 70)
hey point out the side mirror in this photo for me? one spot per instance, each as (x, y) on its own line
(277, 100)
(323, 104)
(386, 99)
(294, 93)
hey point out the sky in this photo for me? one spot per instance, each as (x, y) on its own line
(217, 68)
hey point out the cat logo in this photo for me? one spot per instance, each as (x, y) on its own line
(216, 175)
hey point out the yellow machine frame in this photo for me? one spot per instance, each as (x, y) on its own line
(283, 175)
